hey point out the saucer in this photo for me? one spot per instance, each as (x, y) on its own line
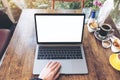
(97, 35)
(115, 61)
(90, 29)
(92, 26)
(114, 40)
(114, 49)
(106, 44)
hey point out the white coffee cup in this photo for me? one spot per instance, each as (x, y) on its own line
(92, 26)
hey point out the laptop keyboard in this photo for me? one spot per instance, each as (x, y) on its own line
(59, 53)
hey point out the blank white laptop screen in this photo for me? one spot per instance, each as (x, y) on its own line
(59, 28)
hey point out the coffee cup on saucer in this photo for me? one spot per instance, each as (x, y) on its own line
(114, 60)
(92, 26)
(105, 30)
(115, 45)
(106, 43)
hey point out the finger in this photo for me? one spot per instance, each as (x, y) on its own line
(57, 68)
(53, 67)
(57, 75)
(47, 65)
(52, 63)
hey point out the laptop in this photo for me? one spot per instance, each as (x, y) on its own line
(59, 38)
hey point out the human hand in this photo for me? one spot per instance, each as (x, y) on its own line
(50, 71)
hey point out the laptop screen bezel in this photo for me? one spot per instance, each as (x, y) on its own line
(44, 14)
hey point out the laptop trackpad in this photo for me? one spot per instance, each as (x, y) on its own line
(67, 66)
(70, 67)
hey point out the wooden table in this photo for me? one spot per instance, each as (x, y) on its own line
(19, 59)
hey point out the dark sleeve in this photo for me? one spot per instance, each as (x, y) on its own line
(5, 21)
(36, 79)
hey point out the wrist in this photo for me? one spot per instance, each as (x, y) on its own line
(36, 79)
(40, 77)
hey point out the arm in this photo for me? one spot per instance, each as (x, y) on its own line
(49, 72)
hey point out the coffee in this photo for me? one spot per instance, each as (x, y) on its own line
(106, 44)
(104, 29)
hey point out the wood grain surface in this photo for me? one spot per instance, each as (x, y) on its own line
(19, 59)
